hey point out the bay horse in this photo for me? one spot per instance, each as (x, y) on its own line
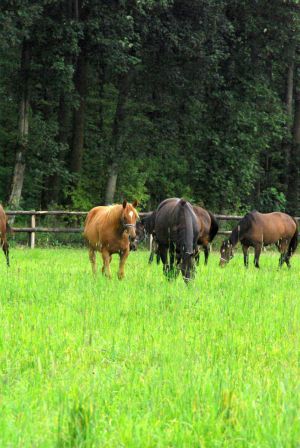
(4, 228)
(261, 229)
(109, 230)
(208, 229)
(176, 230)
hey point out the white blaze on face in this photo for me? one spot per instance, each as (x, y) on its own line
(131, 215)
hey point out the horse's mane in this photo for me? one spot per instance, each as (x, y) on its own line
(110, 214)
(185, 229)
(114, 212)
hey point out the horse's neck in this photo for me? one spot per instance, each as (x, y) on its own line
(235, 236)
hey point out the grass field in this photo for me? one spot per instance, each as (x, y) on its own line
(144, 362)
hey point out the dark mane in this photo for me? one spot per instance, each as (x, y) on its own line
(243, 226)
(185, 233)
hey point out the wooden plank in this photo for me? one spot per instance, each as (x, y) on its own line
(32, 234)
(44, 213)
(47, 229)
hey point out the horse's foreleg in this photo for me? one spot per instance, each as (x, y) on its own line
(123, 257)
(5, 248)
(246, 256)
(257, 251)
(106, 261)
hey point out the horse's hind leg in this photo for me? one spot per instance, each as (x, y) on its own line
(257, 251)
(92, 257)
(206, 253)
(284, 258)
(106, 263)
(246, 256)
(281, 260)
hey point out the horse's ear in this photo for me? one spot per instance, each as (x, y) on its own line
(135, 203)
(124, 203)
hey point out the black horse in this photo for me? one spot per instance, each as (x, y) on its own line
(177, 231)
(146, 227)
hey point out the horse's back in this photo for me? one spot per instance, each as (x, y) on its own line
(169, 221)
(271, 227)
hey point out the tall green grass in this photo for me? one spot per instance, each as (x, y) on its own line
(146, 362)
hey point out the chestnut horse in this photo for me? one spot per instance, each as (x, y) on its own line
(261, 229)
(109, 229)
(4, 228)
(208, 229)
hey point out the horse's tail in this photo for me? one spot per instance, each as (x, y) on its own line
(294, 241)
(214, 227)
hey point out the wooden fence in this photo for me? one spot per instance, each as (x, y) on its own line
(33, 214)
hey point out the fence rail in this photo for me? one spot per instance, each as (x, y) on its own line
(33, 229)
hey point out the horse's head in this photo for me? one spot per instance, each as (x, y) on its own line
(140, 231)
(226, 252)
(187, 267)
(128, 221)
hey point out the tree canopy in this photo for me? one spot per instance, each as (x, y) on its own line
(148, 99)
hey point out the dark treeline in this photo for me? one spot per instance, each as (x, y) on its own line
(148, 99)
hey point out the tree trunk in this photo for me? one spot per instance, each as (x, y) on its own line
(286, 144)
(111, 184)
(117, 139)
(53, 182)
(293, 185)
(79, 113)
(22, 144)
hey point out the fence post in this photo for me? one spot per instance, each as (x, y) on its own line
(32, 234)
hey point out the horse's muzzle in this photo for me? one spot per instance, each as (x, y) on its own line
(133, 245)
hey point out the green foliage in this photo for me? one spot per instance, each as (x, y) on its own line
(272, 200)
(203, 117)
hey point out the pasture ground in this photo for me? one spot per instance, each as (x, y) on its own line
(145, 362)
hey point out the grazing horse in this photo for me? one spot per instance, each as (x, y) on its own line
(146, 227)
(4, 228)
(109, 229)
(208, 229)
(177, 229)
(261, 229)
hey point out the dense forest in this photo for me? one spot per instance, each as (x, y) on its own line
(109, 99)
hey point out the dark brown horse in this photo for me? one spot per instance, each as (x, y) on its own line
(261, 229)
(4, 228)
(176, 231)
(109, 230)
(208, 229)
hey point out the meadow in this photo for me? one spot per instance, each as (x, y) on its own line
(146, 362)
